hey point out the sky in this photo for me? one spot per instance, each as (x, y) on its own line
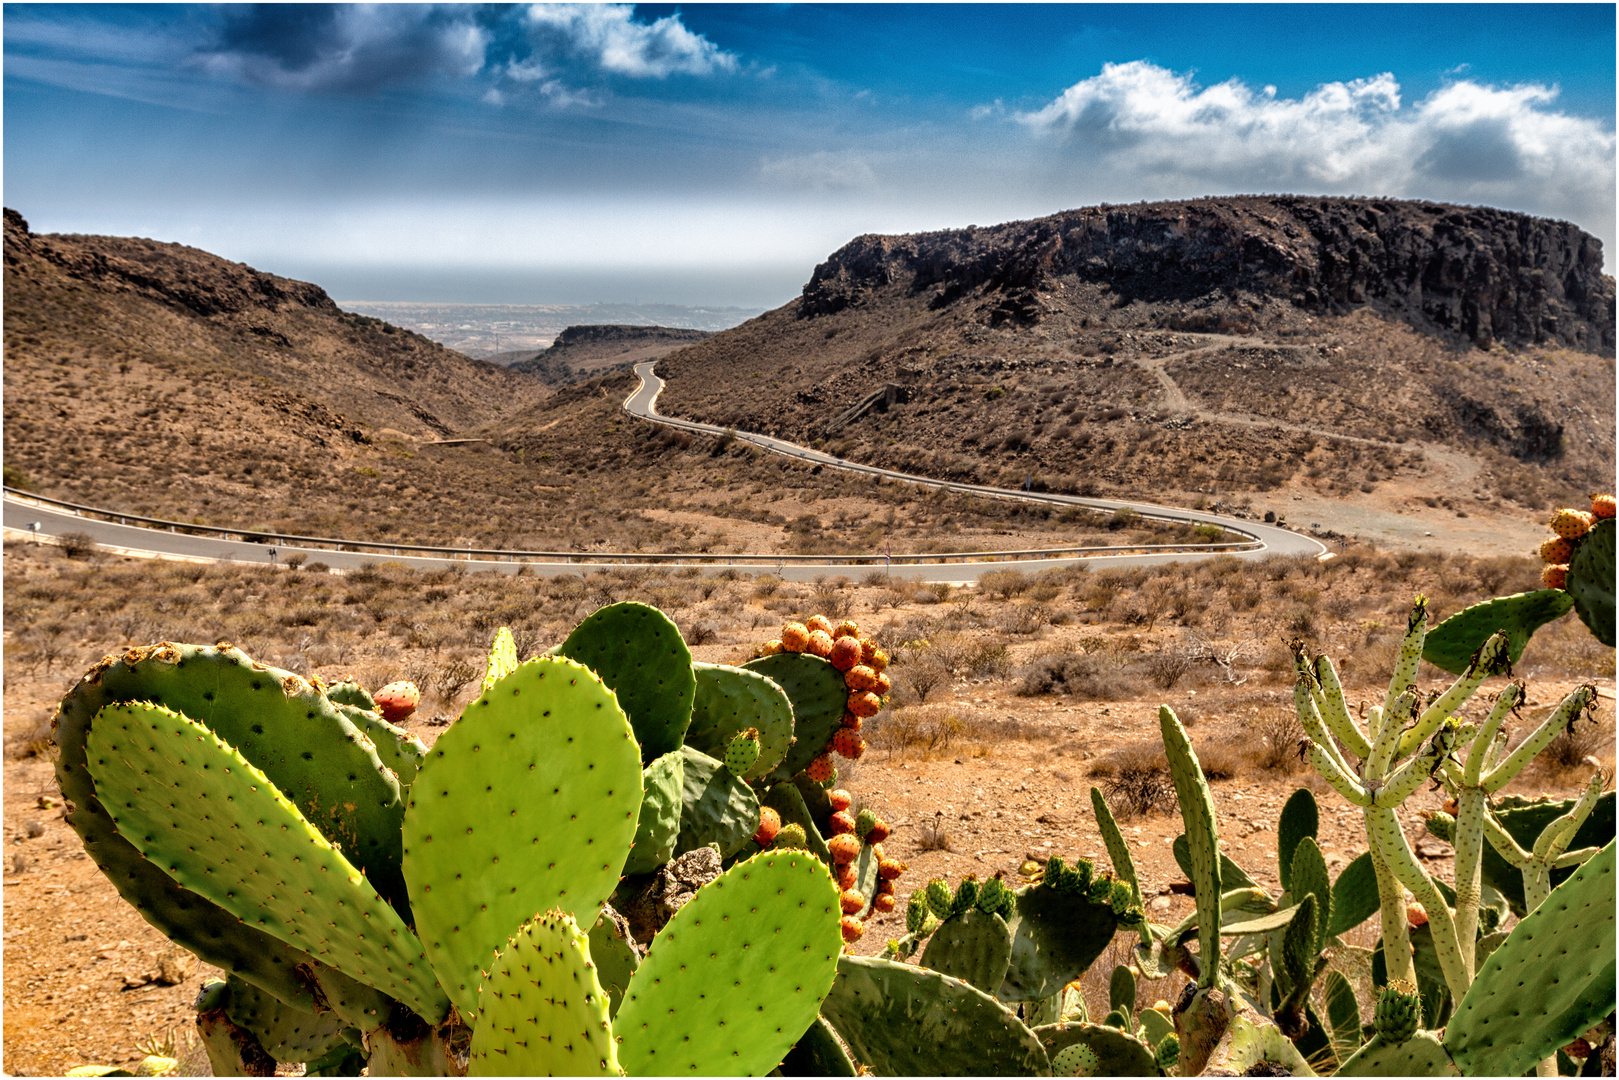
(558, 153)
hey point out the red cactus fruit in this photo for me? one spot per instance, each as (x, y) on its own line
(847, 876)
(889, 869)
(1602, 506)
(841, 822)
(853, 901)
(819, 622)
(820, 644)
(846, 742)
(821, 769)
(769, 826)
(844, 848)
(397, 701)
(883, 903)
(845, 653)
(860, 678)
(794, 637)
(840, 799)
(878, 833)
(865, 704)
(846, 628)
(852, 929)
(1572, 524)
(1415, 914)
(1554, 577)
(885, 887)
(1554, 549)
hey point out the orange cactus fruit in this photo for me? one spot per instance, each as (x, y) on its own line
(1601, 506)
(889, 869)
(397, 701)
(845, 848)
(847, 876)
(878, 660)
(885, 887)
(841, 822)
(819, 644)
(769, 826)
(846, 628)
(1554, 577)
(846, 742)
(840, 799)
(878, 833)
(860, 678)
(852, 929)
(868, 649)
(794, 637)
(853, 901)
(771, 647)
(884, 684)
(819, 622)
(1572, 524)
(851, 721)
(1415, 914)
(864, 704)
(845, 653)
(1554, 549)
(821, 769)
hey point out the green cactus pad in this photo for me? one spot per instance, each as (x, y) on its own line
(1055, 937)
(1300, 818)
(284, 1032)
(1591, 581)
(1118, 1053)
(788, 801)
(641, 656)
(1253, 1043)
(359, 1005)
(736, 977)
(527, 803)
(1343, 1014)
(730, 700)
(1310, 877)
(397, 748)
(901, 1020)
(1118, 852)
(818, 1053)
(1354, 896)
(1232, 876)
(1420, 1055)
(1121, 990)
(615, 960)
(818, 694)
(717, 807)
(351, 694)
(241, 844)
(1197, 812)
(1450, 645)
(975, 947)
(1075, 1060)
(1158, 1026)
(502, 657)
(541, 1010)
(662, 796)
(1550, 981)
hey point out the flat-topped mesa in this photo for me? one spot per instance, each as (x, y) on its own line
(580, 335)
(1478, 273)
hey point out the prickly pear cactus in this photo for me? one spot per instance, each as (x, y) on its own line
(641, 656)
(1591, 581)
(717, 806)
(1117, 1052)
(818, 695)
(1058, 931)
(1451, 645)
(663, 793)
(742, 751)
(973, 946)
(502, 657)
(730, 700)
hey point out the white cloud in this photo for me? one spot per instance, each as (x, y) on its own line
(609, 34)
(821, 171)
(1160, 132)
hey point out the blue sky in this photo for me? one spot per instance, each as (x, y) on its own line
(715, 154)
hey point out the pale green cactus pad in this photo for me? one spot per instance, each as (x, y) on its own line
(734, 979)
(541, 1010)
(527, 803)
(717, 807)
(1117, 1053)
(640, 654)
(974, 946)
(286, 1033)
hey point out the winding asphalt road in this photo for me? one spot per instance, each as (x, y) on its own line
(21, 513)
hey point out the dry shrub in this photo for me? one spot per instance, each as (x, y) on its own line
(1274, 738)
(1004, 584)
(1166, 667)
(1080, 675)
(1136, 780)
(940, 729)
(933, 835)
(76, 545)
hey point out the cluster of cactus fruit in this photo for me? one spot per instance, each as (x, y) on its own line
(862, 663)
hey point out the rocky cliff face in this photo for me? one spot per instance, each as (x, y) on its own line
(1470, 273)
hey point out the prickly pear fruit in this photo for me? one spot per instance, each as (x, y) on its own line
(878, 833)
(877, 660)
(966, 895)
(1554, 549)
(863, 824)
(853, 901)
(860, 678)
(1572, 524)
(939, 897)
(1415, 914)
(848, 628)
(852, 928)
(841, 822)
(1398, 1012)
(868, 648)
(883, 903)
(884, 684)
(889, 869)
(794, 637)
(885, 886)
(792, 836)
(397, 701)
(769, 827)
(820, 769)
(864, 704)
(845, 848)
(1075, 1060)
(840, 799)
(819, 644)
(846, 742)
(851, 721)
(916, 912)
(994, 897)
(1602, 506)
(742, 751)
(845, 653)
(819, 622)
(1555, 576)
(848, 876)
(1168, 1054)
(771, 647)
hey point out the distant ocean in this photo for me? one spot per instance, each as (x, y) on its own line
(485, 330)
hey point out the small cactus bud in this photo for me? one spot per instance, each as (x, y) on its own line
(1602, 506)
(916, 912)
(819, 622)
(939, 897)
(742, 751)
(820, 770)
(966, 895)
(1554, 577)
(848, 628)
(852, 929)
(791, 836)
(1398, 1012)
(878, 833)
(883, 903)
(991, 894)
(794, 637)
(863, 823)
(853, 901)
(844, 848)
(840, 799)
(819, 644)
(1572, 524)
(1554, 549)
(769, 827)
(397, 701)
(841, 822)
(865, 704)
(845, 654)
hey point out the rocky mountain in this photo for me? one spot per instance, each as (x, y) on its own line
(1214, 346)
(584, 351)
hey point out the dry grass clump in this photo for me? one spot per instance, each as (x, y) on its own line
(1082, 675)
(938, 730)
(1274, 738)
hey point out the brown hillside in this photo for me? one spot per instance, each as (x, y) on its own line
(582, 351)
(1368, 354)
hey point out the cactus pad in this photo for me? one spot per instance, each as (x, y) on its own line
(730, 700)
(284, 1032)
(1117, 1053)
(396, 748)
(662, 794)
(527, 803)
(1055, 936)
(737, 975)
(901, 1020)
(351, 694)
(1354, 895)
(818, 1053)
(1197, 812)
(818, 694)
(974, 946)
(613, 956)
(541, 1010)
(1421, 1055)
(1591, 581)
(1547, 983)
(1450, 645)
(214, 823)
(1300, 818)
(788, 801)
(502, 657)
(641, 656)
(1075, 1060)
(717, 807)
(1252, 1044)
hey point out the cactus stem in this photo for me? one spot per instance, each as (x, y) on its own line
(1469, 842)
(1388, 739)
(1484, 741)
(1336, 712)
(1405, 669)
(1396, 931)
(1490, 659)
(1345, 784)
(1561, 717)
(1503, 843)
(1411, 775)
(1385, 832)
(1307, 706)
